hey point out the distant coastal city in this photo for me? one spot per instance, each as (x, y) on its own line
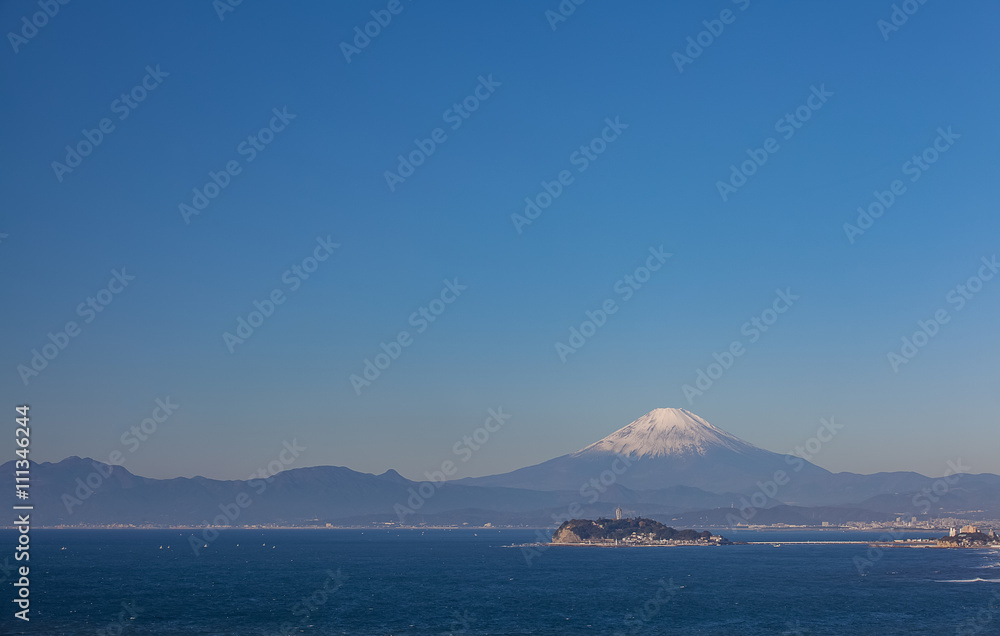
(625, 532)
(945, 524)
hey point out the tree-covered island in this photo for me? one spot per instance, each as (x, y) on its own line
(635, 531)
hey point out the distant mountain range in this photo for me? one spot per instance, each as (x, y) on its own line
(669, 464)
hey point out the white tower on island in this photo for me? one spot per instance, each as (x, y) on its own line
(618, 512)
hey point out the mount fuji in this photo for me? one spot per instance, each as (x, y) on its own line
(668, 462)
(674, 457)
(662, 449)
(664, 432)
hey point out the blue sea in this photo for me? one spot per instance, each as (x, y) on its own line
(413, 582)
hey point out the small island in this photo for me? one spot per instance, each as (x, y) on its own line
(629, 532)
(969, 537)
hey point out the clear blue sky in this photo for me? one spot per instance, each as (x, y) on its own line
(654, 185)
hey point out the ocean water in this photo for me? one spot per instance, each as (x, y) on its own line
(256, 582)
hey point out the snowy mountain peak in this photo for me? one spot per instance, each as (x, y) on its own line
(666, 432)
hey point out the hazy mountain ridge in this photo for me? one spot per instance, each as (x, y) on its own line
(61, 495)
(666, 463)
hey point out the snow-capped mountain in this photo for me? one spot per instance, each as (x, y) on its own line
(666, 462)
(666, 432)
(664, 448)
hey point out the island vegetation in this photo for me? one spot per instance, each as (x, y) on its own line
(635, 531)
